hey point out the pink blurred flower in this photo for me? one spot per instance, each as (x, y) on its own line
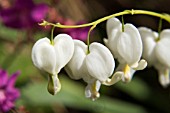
(23, 14)
(8, 92)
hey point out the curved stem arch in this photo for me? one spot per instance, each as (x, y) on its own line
(163, 16)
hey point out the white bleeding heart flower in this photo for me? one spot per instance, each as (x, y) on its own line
(126, 46)
(94, 68)
(156, 52)
(51, 57)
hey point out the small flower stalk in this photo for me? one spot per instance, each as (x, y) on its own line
(52, 56)
(94, 68)
(156, 52)
(126, 45)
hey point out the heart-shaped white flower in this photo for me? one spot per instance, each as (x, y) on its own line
(53, 57)
(96, 66)
(126, 46)
(156, 52)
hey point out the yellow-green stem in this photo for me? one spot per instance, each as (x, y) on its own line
(132, 12)
(159, 29)
(52, 32)
(123, 29)
(88, 39)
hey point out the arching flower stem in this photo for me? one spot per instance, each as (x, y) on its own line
(123, 28)
(52, 33)
(125, 12)
(95, 23)
(88, 38)
(159, 29)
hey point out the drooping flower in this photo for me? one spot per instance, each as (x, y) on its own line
(52, 56)
(23, 14)
(8, 93)
(94, 68)
(156, 52)
(126, 46)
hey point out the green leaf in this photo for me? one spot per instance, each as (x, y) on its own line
(72, 95)
(136, 88)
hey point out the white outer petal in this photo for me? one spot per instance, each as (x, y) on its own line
(163, 48)
(117, 76)
(165, 34)
(75, 66)
(113, 28)
(112, 24)
(149, 43)
(129, 45)
(43, 55)
(64, 48)
(100, 63)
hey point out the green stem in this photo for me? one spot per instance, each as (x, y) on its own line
(52, 32)
(132, 12)
(123, 29)
(88, 42)
(160, 26)
(159, 29)
(88, 38)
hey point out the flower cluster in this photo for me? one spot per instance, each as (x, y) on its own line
(8, 92)
(94, 63)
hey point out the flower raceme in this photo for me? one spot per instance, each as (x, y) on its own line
(94, 68)
(52, 56)
(156, 52)
(94, 63)
(126, 45)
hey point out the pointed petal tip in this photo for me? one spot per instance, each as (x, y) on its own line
(92, 90)
(13, 78)
(54, 85)
(105, 41)
(128, 75)
(126, 79)
(115, 78)
(164, 81)
(93, 96)
(141, 65)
